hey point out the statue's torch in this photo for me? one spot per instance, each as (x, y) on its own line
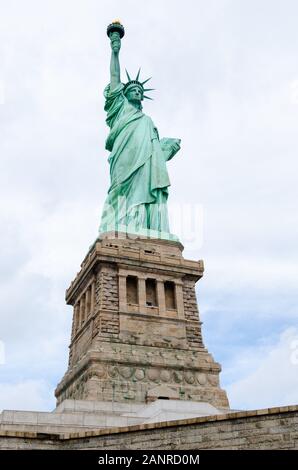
(116, 27)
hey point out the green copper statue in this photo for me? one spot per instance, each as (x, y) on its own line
(137, 198)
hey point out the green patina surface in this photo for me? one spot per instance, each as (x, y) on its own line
(137, 198)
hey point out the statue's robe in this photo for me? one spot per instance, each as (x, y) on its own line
(137, 197)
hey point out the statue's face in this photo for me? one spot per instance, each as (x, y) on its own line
(134, 94)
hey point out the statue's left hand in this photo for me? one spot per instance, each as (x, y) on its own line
(170, 147)
(176, 145)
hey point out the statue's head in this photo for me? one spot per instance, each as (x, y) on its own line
(134, 89)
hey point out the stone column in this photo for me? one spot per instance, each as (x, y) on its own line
(92, 302)
(122, 293)
(76, 317)
(142, 292)
(87, 303)
(161, 297)
(82, 310)
(73, 327)
(79, 315)
(179, 298)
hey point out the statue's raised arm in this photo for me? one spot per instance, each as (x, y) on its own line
(115, 65)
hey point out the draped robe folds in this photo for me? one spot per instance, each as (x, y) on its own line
(137, 197)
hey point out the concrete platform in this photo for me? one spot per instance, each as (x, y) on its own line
(81, 415)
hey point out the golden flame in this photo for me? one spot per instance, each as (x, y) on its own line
(116, 22)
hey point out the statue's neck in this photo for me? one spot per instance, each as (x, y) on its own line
(136, 104)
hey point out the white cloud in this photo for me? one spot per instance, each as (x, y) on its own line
(2, 352)
(269, 374)
(31, 395)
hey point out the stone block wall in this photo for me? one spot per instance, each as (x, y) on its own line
(191, 311)
(268, 429)
(263, 429)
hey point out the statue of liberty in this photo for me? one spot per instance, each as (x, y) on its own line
(137, 198)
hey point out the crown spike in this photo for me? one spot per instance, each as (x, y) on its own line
(138, 74)
(149, 89)
(147, 97)
(127, 74)
(143, 83)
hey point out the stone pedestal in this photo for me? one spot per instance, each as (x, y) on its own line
(136, 334)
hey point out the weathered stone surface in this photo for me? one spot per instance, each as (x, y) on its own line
(261, 429)
(136, 326)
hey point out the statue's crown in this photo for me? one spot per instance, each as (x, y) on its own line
(138, 83)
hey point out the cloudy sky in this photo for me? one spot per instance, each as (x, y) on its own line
(226, 79)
